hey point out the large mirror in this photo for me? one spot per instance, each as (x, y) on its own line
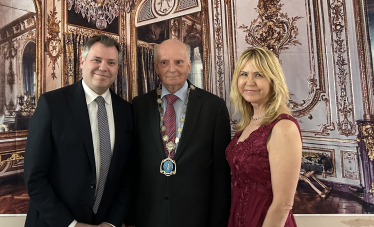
(188, 27)
(18, 65)
(20, 59)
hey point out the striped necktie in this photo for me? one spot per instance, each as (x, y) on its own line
(105, 149)
(169, 122)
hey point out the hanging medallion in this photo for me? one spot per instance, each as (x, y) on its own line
(168, 167)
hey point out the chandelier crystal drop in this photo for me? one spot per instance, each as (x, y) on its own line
(101, 11)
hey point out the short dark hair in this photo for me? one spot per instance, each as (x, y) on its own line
(106, 41)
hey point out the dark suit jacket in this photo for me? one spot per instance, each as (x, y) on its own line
(199, 194)
(60, 172)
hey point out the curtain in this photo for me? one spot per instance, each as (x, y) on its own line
(73, 50)
(147, 77)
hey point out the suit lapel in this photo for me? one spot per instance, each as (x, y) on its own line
(119, 132)
(77, 102)
(193, 110)
(118, 123)
(154, 117)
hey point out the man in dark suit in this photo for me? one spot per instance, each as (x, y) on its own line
(183, 179)
(77, 154)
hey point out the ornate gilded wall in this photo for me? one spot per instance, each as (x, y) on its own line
(322, 46)
(321, 53)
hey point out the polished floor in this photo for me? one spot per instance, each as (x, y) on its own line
(307, 201)
(14, 199)
(13, 195)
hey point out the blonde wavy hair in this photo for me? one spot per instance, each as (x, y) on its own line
(268, 65)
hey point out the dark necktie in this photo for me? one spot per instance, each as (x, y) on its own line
(169, 122)
(105, 150)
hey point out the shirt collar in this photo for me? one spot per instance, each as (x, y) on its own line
(91, 95)
(181, 93)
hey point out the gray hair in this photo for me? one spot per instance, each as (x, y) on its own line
(106, 41)
(188, 50)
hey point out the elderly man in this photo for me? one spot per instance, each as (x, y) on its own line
(181, 133)
(77, 154)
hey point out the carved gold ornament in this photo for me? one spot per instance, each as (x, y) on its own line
(53, 42)
(367, 132)
(372, 188)
(10, 53)
(345, 105)
(272, 28)
(10, 161)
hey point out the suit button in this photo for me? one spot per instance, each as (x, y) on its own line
(92, 185)
(166, 198)
(88, 208)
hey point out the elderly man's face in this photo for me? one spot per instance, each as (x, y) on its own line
(173, 64)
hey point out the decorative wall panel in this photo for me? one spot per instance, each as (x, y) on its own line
(340, 48)
(349, 165)
(146, 12)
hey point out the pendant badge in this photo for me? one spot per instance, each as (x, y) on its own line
(168, 167)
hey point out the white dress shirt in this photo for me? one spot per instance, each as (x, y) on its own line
(178, 105)
(92, 112)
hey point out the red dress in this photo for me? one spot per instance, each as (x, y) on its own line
(251, 183)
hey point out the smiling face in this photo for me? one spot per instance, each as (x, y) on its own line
(100, 68)
(253, 86)
(172, 64)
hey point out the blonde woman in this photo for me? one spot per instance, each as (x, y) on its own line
(265, 153)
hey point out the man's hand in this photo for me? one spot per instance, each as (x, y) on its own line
(79, 224)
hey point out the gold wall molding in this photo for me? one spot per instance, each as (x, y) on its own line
(348, 158)
(340, 48)
(41, 82)
(364, 57)
(326, 139)
(205, 31)
(18, 27)
(366, 134)
(89, 31)
(229, 22)
(13, 134)
(146, 45)
(123, 83)
(219, 70)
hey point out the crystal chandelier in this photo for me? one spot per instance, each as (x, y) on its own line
(101, 11)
